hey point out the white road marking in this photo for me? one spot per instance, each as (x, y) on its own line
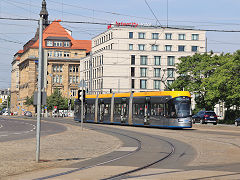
(127, 149)
(18, 133)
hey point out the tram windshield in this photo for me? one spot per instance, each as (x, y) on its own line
(182, 109)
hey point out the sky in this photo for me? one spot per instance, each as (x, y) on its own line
(198, 14)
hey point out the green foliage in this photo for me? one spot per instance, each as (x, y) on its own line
(212, 78)
(56, 99)
(230, 116)
(6, 103)
(29, 101)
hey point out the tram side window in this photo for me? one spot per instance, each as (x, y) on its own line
(157, 110)
(170, 110)
(90, 108)
(77, 108)
(138, 109)
(117, 109)
(107, 109)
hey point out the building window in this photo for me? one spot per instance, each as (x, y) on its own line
(155, 35)
(57, 53)
(181, 36)
(70, 79)
(143, 72)
(60, 79)
(154, 47)
(58, 43)
(141, 47)
(57, 67)
(130, 46)
(143, 84)
(171, 60)
(132, 71)
(181, 48)
(73, 68)
(57, 79)
(132, 59)
(66, 44)
(130, 35)
(156, 84)
(66, 54)
(169, 82)
(73, 92)
(170, 72)
(194, 48)
(50, 53)
(168, 36)
(195, 37)
(157, 60)
(133, 83)
(143, 60)
(157, 72)
(168, 47)
(49, 43)
(141, 35)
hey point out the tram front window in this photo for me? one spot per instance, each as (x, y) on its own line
(182, 109)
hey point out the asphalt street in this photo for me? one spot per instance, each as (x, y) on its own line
(17, 128)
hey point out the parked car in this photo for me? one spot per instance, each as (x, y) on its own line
(204, 117)
(5, 113)
(237, 122)
(28, 113)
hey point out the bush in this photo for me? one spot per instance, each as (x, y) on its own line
(230, 116)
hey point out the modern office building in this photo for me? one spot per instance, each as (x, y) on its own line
(128, 57)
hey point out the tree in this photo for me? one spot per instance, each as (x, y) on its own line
(212, 78)
(29, 101)
(56, 99)
(194, 72)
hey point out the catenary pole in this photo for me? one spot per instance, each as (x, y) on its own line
(91, 69)
(40, 60)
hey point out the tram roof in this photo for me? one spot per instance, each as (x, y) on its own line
(173, 94)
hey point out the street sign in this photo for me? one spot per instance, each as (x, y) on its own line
(82, 84)
(0, 100)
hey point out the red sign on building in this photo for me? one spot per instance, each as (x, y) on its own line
(117, 24)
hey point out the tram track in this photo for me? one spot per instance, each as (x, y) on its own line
(145, 166)
(139, 143)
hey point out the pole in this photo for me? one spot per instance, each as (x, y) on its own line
(39, 90)
(90, 79)
(82, 109)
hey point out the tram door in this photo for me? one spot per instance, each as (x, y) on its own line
(157, 114)
(101, 111)
(90, 110)
(141, 110)
(77, 110)
(124, 110)
(121, 110)
(104, 110)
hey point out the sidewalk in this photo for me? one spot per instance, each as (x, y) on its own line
(71, 146)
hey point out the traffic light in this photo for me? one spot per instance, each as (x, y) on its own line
(81, 95)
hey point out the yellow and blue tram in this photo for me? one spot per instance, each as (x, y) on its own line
(166, 109)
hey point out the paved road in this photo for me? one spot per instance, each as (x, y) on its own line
(203, 152)
(19, 128)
